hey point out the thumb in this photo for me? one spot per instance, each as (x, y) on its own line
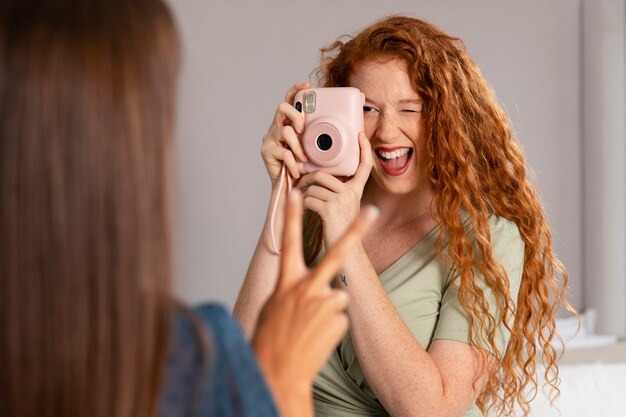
(291, 261)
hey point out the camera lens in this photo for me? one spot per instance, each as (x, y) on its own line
(299, 106)
(324, 142)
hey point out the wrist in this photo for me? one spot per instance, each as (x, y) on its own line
(292, 400)
(274, 220)
(292, 394)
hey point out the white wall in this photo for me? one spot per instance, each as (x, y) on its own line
(604, 150)
(240, 57)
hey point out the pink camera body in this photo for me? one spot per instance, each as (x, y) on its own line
(333, 118)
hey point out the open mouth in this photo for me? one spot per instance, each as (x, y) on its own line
(395, 161)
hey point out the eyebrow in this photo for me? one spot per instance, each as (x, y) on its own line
(410, 101)
(416, 101)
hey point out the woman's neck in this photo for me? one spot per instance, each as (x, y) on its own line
(399, 210)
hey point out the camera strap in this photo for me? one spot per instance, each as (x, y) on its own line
(283, 174)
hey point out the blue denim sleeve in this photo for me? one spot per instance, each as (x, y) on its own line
(213, 374)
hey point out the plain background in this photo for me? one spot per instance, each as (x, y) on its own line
(240, 57)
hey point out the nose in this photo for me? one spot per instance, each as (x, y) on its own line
(387, 128)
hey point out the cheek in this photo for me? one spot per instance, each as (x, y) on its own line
(413, 131)
(370, 126)
(421, 159)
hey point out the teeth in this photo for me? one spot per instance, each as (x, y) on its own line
(395, 154)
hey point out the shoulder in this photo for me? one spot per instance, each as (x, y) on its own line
(236, 383)
(212, 368)
(507, 244)
(226, 340)
(218, 321)
(506, 240)
(225, 336)
(502, 228)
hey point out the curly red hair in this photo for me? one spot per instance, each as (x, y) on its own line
(476, 166)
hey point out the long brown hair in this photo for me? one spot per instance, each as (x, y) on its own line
(475, 165)
(87, 95)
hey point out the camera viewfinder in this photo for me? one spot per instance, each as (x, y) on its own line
(309, 102)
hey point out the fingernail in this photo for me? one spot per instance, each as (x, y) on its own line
(294, 195)
(371, 212)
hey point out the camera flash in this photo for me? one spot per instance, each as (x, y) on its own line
(309, 102)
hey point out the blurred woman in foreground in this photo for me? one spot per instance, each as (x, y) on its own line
(88, 325)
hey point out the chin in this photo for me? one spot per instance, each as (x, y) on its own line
(397, 186)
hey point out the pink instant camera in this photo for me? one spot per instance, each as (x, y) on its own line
(333, 118)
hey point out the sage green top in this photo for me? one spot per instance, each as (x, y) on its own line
(423, 289)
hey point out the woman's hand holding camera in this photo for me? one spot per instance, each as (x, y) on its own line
(281, 144)
(304, 318)
(337, 202)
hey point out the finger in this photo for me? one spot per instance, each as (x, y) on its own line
(320, 310)
(334, 258)
(275, 155)
(326, 303)
(338, 300)
(289, 136)
(315, 205)
(317, 192)
(291, 261)
(287, 115)
(291, 93)
(272, 145)
(322, 179)
(329, 336)
(280, 138)
(362, 173)
(290, 161)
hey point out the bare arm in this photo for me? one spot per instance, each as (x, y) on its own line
(262, 275)
(303, 319)
(407, 379)
(280, 146)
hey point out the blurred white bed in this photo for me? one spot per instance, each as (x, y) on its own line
(593, 383)
(592, 372)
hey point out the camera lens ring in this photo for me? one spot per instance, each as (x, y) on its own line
(298, 106)
(324, 142)
(309, 142)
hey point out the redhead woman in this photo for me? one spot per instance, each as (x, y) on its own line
(455, 291)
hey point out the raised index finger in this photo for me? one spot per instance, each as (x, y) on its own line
(336, 255)
(292, 261)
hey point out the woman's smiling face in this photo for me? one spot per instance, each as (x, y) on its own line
(393, 121)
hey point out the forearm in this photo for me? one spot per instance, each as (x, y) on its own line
(400, 371)
(295, 406)
(262, 273)
(291, 399)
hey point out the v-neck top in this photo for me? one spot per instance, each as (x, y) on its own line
(423, 289)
